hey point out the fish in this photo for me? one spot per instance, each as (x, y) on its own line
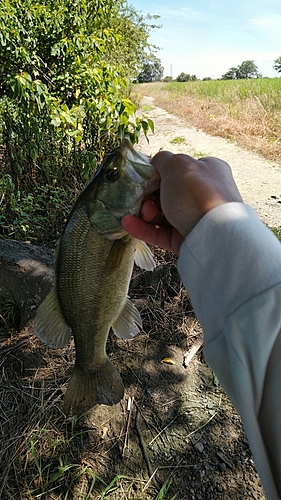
(94, 260)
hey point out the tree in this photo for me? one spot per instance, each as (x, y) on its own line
(277, 65)
(185, 77)
(168, 79)
(246, 70)
(68, 65)
(231, 74)
(50, 37)
(152, 71)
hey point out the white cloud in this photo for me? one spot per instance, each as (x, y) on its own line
(269, 21)
(186, 13)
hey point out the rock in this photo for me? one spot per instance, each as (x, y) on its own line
(222, 467)
(199, 447)
(224, 459)
(27, 273)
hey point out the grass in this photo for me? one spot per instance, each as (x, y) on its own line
(277, 232)
(267, 90)
(245, 111)
(147, 108)
(46, 462)
(9, 311)
(178, 140)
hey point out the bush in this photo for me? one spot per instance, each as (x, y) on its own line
(65, 72)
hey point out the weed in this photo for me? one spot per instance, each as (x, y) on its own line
(10, 311)
(178, 140)
(147, 108)
(48, 468)
(162, 493)
(277, 232)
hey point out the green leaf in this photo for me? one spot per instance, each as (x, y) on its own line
(150, 124)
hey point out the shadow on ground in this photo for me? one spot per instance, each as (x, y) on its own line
(181, 427)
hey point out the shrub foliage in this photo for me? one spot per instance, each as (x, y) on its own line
(65, 72)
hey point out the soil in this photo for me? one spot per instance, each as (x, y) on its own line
(175, 425)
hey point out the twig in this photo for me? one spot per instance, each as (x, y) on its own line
(191, 353)
(201, 426)
(4, 322)
(144, 450)
(149, 481)
(148, 424)
(159, 433)
(258, 101)
(129, 409)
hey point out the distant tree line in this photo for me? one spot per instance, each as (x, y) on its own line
(246, 70)
(152, 71)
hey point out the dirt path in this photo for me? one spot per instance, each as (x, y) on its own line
(258, 180)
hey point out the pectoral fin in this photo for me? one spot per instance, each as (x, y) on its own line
(49, 324)
(129, 321)
(116, 254)
(144, 257)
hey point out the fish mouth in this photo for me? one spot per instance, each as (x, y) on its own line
(137, 165)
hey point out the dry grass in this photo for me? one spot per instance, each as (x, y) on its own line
(244, 112)
(43, 454)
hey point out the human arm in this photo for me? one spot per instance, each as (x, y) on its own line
(230, 264)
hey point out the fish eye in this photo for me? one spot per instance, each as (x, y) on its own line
(112, 175)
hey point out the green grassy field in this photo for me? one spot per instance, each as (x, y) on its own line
(245, 111)
(267, 90)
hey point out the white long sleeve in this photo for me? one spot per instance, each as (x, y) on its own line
(230, 265)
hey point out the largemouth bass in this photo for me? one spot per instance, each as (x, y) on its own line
(94, 263)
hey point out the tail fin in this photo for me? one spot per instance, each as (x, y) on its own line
(88, 388)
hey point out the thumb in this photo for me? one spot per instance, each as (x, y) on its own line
(161, 160)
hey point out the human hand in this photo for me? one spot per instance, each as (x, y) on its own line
(189, 189)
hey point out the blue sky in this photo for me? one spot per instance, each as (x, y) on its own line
(207, 37)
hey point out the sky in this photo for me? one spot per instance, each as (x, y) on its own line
(207, 37)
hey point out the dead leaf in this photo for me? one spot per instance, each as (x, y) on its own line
(168, 361)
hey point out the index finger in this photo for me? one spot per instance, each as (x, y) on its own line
(151, 233)
(164, 237)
